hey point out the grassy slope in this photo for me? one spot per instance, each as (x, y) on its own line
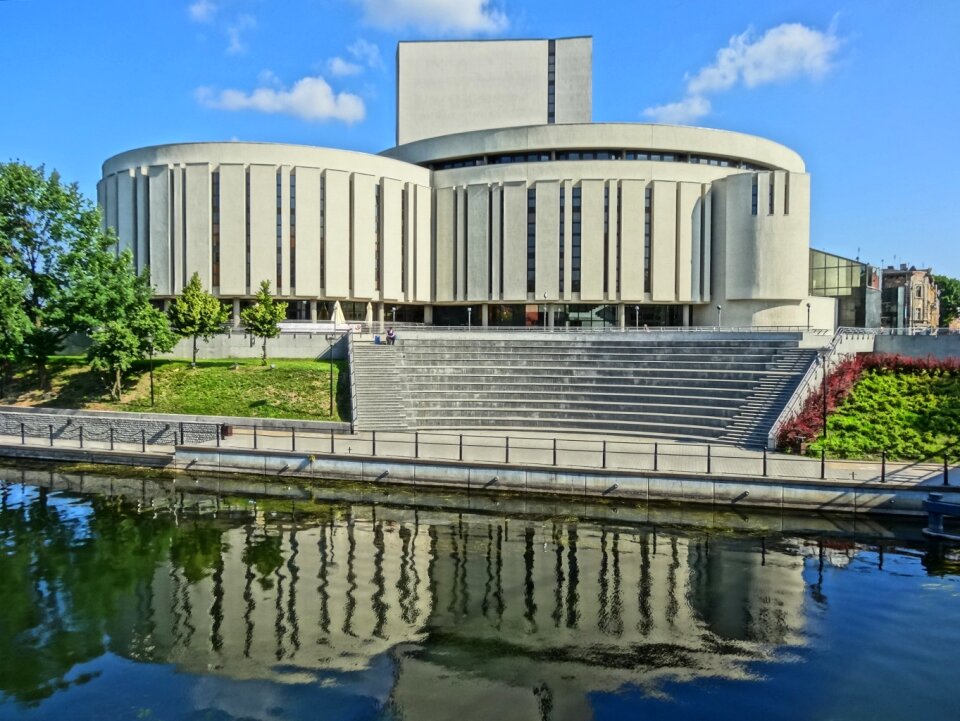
(911, 415)
(293, 389)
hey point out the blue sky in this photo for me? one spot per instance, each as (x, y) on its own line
(865, 90)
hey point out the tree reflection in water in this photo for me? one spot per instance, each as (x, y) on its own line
(468, 614)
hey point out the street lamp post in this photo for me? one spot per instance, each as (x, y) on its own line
(469, 316)
(394, 315)
(636, 320)
(331, 337)
(719, 315)
(823, 393)
(808, 316)
(150, 341)
(545, 310)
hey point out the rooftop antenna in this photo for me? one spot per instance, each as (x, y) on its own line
(858, 252)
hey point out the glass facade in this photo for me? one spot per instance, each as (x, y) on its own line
(855, 285)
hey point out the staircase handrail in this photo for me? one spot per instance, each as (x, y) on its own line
(810, 379)
(353, 385)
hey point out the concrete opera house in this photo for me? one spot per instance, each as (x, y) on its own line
(501, 204)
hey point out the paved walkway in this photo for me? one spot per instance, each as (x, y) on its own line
(573, 451)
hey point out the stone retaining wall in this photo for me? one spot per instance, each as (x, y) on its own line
(152, 428)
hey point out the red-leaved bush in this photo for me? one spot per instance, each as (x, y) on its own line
(808, 423)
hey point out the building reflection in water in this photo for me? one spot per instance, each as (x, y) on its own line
(480, 617)
(440, 615)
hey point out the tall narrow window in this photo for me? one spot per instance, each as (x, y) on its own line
(502, 194)
(551, 81)
(575, 242)
(755, 194)
(279, 231)
(786, 193)
(532, 240)
(215, 226)
(323, 234)
(606, 239)
(247, 236)
(562, 218)
(770, 194)
(376, 236)
(647, 230)
(616, 258)
(293, 232)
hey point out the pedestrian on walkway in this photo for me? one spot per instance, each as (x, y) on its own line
(391, 336)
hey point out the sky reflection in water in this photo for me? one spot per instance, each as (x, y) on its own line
(360, 611)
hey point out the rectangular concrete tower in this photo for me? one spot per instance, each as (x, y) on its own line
(450, 87)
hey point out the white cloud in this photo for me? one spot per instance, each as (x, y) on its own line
(367, 53)
(782, 53)
(340, 67)
(443, 16)
(310, 99)
(235, 33)
(683, 111)
(202, 11)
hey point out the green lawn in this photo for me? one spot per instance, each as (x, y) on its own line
(288, 389)
(910, 415)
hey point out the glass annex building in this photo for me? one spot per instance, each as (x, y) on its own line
(501, 204)
(854, 285)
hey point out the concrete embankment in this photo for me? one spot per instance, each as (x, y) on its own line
(715, 490)
(151, 459)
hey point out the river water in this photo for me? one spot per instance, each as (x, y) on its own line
(123, 598)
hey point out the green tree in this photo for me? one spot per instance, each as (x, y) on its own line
(133, 329)
(14, 324)
(53, 246)
(197, 314)
(949, 298)
(263, 317)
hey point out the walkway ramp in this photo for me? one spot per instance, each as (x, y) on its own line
(380, 398)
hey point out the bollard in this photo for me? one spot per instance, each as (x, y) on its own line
(883, 465)
(331, 441)
(111, 438)
(461, 446)
(604, 456)
(416, 444)
(656, 456)
(183, 440)
(708, 459)
(554, 451)
(254, 437)
(946, 471)
(51, 434)
(23, 434)
(374, 450)
(293, 438)
(218, 432)
(823, 463)
(764, 461)
(143, 440)
(81, 436)
(508, 450)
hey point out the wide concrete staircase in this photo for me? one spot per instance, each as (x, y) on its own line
(381, 401)
(724, 390)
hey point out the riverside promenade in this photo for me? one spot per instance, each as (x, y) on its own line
(596, 466)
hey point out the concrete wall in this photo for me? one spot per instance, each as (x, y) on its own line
(175, 212)
(920, 346)
(158, 428)
(455, 86)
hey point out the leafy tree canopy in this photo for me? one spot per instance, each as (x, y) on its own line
(262, 319)
(55, 253)
(134, 329)
(197, 313)
(949, 298)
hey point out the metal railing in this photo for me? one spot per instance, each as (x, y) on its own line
(562, 453)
